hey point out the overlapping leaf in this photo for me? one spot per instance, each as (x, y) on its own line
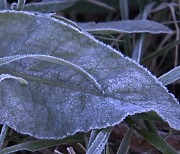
(59, 101)
(125, 26)
(50, 5)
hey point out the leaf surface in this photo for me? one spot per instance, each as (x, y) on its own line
(59, 101)
(49, 5)
(125, 26)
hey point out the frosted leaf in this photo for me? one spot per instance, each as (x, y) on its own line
(49, 5)
(59, 101)
(125, 26)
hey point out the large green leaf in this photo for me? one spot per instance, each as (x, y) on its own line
(59, 101)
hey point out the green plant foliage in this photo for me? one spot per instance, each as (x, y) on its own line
(9, 59)
(21, 4)
(170, 76)
(52, 105)
(49, 5)
(39, 144)
(160, 52)
(3, 4)
(125, 143)
(155, 140)
(125, 26)
(100, 141)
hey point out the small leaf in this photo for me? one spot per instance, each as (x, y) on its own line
(39, 144)
(155, 140)
(170, 76)
(125, 143)
(3, 134)
(52, 105)
(100, 141)
(148, 116)
(125, 26)
(49, 6)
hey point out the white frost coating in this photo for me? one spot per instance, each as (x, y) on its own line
(127, 58)
(6, 60)
(8, 76)
(119, 26)
(100, 141)
(70, 26)
(138, 106)
(170, 76)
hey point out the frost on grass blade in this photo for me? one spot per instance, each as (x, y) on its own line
(170, 76)
(125, 26)
(52, 105)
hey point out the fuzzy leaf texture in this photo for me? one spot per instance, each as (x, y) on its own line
(49, 5)
(125, 26)
(59, 101)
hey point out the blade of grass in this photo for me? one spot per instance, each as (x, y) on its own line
(137, 51)
(3, 134)
(151, 126)
(169, 134)
(109, 39)
(93, 136)
(108, 150)
(100, 141)
(152, 138)
(124, 9)
(21, 4)
(3, 5)
(177, 34)
(101, 4)
(9, 59)
(125, 143)
(156, 141)
(160, 52)
(39, 144)
(170, 76)
(148, 8)
(148, 116)
(138, 48)
(125, 16)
